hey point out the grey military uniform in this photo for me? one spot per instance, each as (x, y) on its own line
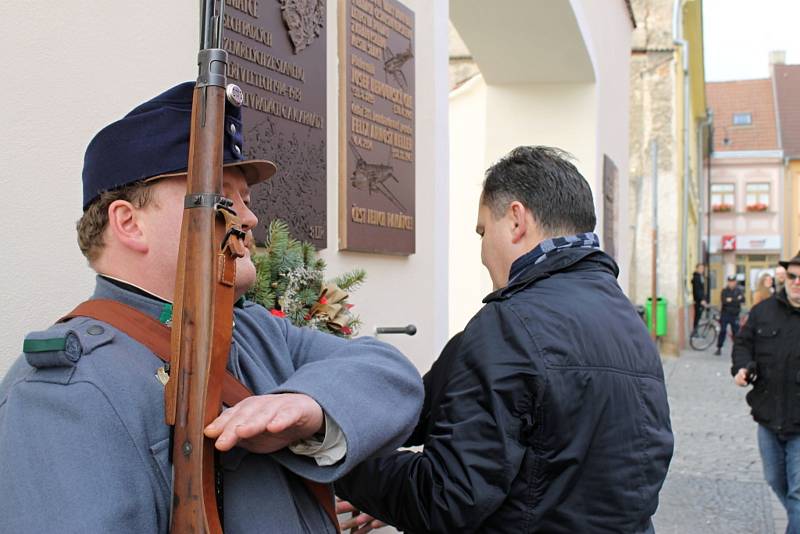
(83, 445)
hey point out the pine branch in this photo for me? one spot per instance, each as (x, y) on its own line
(352, 280)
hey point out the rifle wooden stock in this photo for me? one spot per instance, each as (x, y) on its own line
(201, 327)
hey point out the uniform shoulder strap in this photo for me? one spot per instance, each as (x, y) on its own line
(156, 337)
(150, 333)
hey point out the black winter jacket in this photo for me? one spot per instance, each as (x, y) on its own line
(698, 287)
(769, 344)
(548, 413)
(733, 306)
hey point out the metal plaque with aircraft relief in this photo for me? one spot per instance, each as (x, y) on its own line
(376, 127)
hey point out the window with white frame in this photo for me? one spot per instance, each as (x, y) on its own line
(757, 197)
(742, 119)
(723, 197)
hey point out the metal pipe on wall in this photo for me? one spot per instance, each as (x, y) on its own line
(677, 32)
(654, 252)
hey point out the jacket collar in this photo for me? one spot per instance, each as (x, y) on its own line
(559, 261)
(781, 297)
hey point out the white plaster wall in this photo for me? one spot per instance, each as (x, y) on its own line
(469, 281)
(587, 119)
(607, 27)
(79, 65)
(486, 122)
(76, 66)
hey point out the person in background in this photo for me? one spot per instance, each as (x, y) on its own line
(767, 355)
(699, 294)
(731, 299)
(780, 278)
(764, 289)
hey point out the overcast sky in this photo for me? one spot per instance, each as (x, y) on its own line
(739, 34)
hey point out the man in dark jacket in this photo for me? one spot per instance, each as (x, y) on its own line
(767, 355)
(548, 413)
(699, 294)
(731, 298)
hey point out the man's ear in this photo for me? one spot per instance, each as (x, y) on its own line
(124, 223)
(518, 217)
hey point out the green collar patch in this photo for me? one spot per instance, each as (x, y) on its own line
(44, 345)
(166, 314)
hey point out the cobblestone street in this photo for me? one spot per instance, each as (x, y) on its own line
(715, 484)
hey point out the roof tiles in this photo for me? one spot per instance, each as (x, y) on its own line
(787, 89)
(743, 96)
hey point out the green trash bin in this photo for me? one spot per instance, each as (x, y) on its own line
(661, 315)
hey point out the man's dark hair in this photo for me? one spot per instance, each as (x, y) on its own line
(546, 183)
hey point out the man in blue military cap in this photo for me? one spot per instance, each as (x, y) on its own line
(83, 443)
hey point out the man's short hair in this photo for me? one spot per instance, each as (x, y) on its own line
(94, 221)
(546, 183)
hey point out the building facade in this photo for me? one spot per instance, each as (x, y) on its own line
(787, 99)
(536, 73)
(667, 131)
(746, 189)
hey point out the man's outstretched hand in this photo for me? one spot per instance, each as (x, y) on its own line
(360, 523)
(267, 423)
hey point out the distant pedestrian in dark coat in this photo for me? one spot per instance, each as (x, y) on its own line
(699, 294)
(731, 299)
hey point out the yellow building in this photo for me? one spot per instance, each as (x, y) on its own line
(668, 111)
(786, 80)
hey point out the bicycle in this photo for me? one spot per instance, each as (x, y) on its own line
(707, 330)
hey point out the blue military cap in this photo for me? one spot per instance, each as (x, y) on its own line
(153, 141)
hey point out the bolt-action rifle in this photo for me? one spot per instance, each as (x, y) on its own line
(211, 240)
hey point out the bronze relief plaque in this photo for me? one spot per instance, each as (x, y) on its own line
(276, 54)
(376, 127)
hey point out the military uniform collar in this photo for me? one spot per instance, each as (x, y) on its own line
(108, 287)
(111, 288)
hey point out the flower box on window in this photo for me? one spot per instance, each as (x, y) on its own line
(758, 206)
(722, 207)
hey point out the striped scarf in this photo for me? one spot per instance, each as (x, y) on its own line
(548, 247)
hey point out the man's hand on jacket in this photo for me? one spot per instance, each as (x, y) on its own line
(267, 423)
(742, 377)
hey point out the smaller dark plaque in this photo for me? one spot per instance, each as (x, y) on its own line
(610, 194)
(376, 118)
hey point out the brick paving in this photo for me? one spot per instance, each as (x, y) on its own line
(715, 483)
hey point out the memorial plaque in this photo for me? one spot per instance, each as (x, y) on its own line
(376, 127)
(276, 54)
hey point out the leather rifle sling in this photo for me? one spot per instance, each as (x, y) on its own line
(156, 337)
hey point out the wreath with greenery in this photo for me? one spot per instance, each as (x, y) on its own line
(290, 283)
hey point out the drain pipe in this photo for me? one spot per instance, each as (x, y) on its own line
(677, 33)
(701, 180)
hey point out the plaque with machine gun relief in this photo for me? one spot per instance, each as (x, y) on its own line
(376, 127)
(276, 53)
